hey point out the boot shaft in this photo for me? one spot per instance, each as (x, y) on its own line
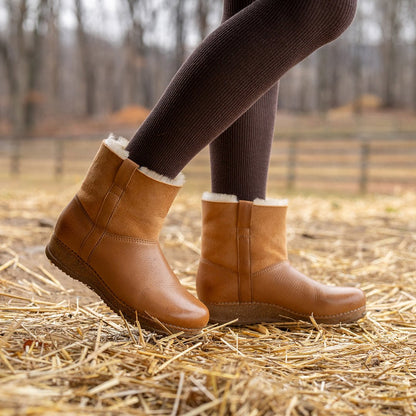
(243, 236)
(123, 198)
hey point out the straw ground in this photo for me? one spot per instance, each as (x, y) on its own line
(62, 352)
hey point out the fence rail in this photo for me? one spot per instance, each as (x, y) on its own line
(359, 163)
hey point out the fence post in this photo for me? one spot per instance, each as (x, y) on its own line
(15, 156)
(59, 158)
(291, 163)
(364, 158)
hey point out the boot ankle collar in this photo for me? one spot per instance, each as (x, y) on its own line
(216, 197)
(271, 202)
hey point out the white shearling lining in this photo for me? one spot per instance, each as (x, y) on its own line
(213, 197)
(117, 145)
(271, 202)
(178, 181)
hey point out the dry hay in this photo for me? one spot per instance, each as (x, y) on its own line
(63, 352)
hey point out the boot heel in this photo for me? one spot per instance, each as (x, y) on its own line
(72, 265)
(69, 262)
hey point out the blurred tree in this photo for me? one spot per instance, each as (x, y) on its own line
(357, 61)
(142, 16)
(54, 53)
(322, 80)
(203, 10)
(202, 14)
(335, 71)
(86, 58)
(50, 65)
(304, 83)
(13, 54)
(179, 11)
(412, 17)
(21, 55)
(34, 64)
(390, 14)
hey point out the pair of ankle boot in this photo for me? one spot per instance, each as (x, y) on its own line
(107, 238)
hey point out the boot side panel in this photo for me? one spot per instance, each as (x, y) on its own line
(144, 201)
(98, 180)
(216, 284)
(268, 236)
(219, 234)
(73, 225)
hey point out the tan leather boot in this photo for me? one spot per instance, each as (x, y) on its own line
(107, 238)
(244, 270)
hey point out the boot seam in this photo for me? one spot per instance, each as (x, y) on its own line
(123, 191)
(270, 268)
(243, 242)
(114, 185)
(129, 239)
(78, 201)
(287, 309)
(113, 235)
(118, 236)
(211, 263)
(275, 266)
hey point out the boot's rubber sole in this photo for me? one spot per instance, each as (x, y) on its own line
(256, 312)
(75, 267)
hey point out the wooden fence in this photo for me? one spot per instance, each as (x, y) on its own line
(371, 162)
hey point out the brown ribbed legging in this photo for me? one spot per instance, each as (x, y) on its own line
(225, 93)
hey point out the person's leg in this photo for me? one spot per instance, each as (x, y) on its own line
(240, 155)
(232, 68)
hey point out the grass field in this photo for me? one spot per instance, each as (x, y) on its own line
(62, 352)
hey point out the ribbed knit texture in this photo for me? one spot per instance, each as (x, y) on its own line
(240, 156)
(232, 69)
